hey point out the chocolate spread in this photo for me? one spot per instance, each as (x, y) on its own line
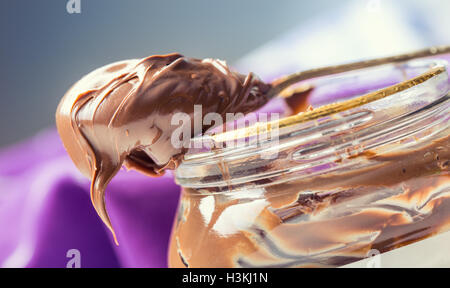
(120, 114)
(324, 221)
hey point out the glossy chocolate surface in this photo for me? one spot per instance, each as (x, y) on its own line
(120, 114)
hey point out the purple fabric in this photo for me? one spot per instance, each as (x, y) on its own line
(45, 205)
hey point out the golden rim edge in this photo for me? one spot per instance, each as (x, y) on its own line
(328, 109)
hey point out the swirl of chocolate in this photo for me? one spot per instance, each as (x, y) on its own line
(120, 114)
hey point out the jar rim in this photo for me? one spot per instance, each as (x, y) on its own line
(195, 169)
(436, 68)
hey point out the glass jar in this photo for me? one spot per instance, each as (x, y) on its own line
(368, 169)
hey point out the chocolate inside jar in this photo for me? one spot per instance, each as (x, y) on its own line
(378, 184)
(323, 221)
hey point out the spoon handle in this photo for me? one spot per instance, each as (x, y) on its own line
(282, 83)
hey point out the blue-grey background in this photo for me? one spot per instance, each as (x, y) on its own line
(44, 49)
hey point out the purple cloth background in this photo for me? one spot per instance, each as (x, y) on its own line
(46, 209)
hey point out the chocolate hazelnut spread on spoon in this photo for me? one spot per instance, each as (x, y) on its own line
(120, 114)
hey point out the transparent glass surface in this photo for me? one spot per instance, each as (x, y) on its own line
(333, 187)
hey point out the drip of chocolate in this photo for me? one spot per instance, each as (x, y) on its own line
(120, 114)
